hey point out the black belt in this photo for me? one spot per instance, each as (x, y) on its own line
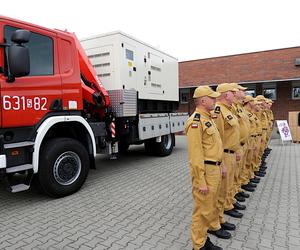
(229, 151)
(242, 144)
(265, 129)
(253, 135)
(216, 163)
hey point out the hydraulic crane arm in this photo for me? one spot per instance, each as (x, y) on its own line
(93, 90)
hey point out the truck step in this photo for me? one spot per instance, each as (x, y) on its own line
(19, 144)
(19, 168)
(19, 187)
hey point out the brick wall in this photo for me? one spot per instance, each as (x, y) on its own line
(257, 66)
(251, 67)
(284, 102)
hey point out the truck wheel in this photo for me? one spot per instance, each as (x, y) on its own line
(123, 147)
(165, 147)
(150, 146)
(63, 168)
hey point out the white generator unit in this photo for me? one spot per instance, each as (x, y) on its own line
(123, 62)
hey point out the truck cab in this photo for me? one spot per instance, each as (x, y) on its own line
(52, 84)
(42, 99)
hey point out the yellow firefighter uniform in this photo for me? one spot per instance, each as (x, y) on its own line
(258, 139)
(205, 152)
(270, 120)
(228, 126)
(248, 174)
(244, 135)
(264, 124)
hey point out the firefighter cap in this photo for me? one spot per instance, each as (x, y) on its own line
(248, 98)
(224, 87)
(237, 86)
(269, 100)
(205, 91)
(256, 102)
(260, 98)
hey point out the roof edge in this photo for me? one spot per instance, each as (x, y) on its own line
(216, 57)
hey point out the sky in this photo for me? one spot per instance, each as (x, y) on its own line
(187, 30)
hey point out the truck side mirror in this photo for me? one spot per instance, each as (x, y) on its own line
(18, 54)
(20, 36)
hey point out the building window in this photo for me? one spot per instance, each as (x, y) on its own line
(250, 92)
(270, 93)
(296, 90)
(184, 95)
(251, 89)
(296, 93)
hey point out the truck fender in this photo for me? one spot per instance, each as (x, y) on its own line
(44, 128)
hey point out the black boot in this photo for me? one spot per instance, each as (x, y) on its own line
(254, 181)
(239, 198)
(253, 185)
(257, 173)
(248, 188)
(239, 206)
(228, 226)
(221, 233)
(210, 246)
(243, 194)
(263, 164)
(256, 178)
(234, 213)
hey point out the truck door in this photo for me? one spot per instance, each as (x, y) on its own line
(27, 100)
(129, 71)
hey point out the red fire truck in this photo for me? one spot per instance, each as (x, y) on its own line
(56, 115)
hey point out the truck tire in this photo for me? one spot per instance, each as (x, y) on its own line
(150, 146)
(123, 147)
(63, 167)
(163, 148)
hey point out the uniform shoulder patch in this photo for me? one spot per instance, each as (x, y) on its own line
(229, 117)
(197, 117)
(217, 110)
(207, 124)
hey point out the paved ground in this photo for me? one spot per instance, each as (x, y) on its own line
(143, 202)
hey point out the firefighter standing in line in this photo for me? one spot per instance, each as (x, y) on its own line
(244, 123)
(248, 174)
(267, 130)
(270, 115)
(258, 141)
(264, 122)
(228, 127)
(205, 151)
